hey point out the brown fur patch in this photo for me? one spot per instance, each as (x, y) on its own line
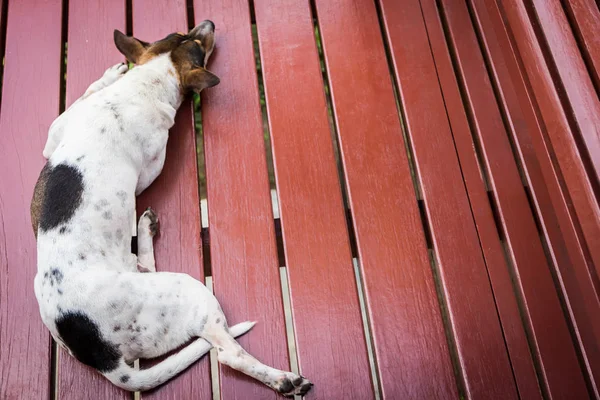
(189, 54)
(170, 43)
(38, 198)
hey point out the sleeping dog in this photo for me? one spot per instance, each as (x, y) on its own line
(103, 151)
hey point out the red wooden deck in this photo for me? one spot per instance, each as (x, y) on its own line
(449, 148)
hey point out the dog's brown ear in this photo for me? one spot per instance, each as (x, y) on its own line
(129, 46)
(205, 32)
(199, 79)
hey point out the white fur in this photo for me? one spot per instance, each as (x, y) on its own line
(116, 136)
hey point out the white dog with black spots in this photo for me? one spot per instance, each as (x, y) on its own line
(105, 305)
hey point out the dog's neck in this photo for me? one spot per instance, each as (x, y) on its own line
(157, 79)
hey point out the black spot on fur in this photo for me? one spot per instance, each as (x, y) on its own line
(82, 336)
(113, 109)
(124, 378)
(56, 275)
(286, 387)
(62, 230)
(80, 158)
(63, 194)
(100, 204)
(102, 253)
(103, 129)
(122, 195)
(297, 381)
(60, 291)
(203, 322)
(218, 321)
(82, 256)
(107, 215)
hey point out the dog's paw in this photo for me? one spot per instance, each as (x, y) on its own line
(293, 385)
(149, 220)
(114, 73)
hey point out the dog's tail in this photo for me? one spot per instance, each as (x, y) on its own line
(128, 378)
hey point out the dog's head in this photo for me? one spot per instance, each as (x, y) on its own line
(189, 54)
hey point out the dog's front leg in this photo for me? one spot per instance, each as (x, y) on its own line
(111, 75)
(56, 131)
(147, 229)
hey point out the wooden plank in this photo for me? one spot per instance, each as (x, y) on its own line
(560, 227)
(410, 345)
(90, 51)
(506, 302)
(30, 102)
(90, 48)
(582, 102)
(244, 260)
(543, 314)
(585, 22)
(174, 194)
(483, 357)
(556, 124)
(315, 234)
(573, 77)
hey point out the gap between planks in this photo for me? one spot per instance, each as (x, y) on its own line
(451, 341)
(3, 21)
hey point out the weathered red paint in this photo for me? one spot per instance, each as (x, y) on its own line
(243, 250)
(30, 102)
(519, 75)
(326, 312)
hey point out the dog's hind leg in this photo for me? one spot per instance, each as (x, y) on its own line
(128, 378)
(147, 229)
(232, 354)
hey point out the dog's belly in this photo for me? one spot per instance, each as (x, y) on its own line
(99, 238)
